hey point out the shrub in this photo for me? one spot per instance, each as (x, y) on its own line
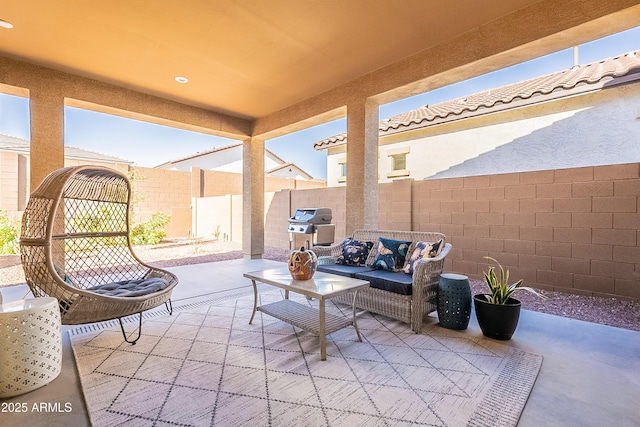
(9, 235)
(150, 232)
(92, 222)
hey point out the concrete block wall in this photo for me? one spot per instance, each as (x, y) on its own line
(166, 191)
(396, 209)
(333, 198)
(171, 192)
(274, 184)
(122, 167)
(284, 203)
(14, 179)
(220, 183)
(276, 215)
(572, 230)
(305, 185)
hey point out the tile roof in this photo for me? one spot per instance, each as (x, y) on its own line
(587, 77)
(11, 143)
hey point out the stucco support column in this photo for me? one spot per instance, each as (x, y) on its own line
(362, 165)
(253, 198)
(46, 109)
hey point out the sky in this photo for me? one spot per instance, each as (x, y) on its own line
(150, 145)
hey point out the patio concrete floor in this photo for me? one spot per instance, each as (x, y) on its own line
(590, 375)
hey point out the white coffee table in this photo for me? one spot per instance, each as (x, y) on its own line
(322, 286)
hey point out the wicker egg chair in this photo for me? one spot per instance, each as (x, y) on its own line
(75, 247)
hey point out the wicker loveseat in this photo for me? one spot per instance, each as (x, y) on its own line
(398, 295)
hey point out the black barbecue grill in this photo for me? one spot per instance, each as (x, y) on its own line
(313, 225)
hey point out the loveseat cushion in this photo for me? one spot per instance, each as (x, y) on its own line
(343, 270)
(397, 283)
(131, 288)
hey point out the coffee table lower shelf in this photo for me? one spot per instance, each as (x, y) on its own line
(323, 287)
(304, 317)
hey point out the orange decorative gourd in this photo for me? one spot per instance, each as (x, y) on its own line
(302, 264)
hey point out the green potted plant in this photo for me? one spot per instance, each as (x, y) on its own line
(498, 312)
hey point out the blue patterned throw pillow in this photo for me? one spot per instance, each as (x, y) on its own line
(422, 250)
(391, 254)
(354, 252)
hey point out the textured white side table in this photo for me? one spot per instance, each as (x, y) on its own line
(30, 345)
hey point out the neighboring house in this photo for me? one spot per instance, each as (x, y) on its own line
(584, 116)
(14, 169)
(229, 159)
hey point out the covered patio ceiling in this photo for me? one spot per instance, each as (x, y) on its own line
(253, 58)
(246, 58)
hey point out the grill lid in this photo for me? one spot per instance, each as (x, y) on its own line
(311, 216)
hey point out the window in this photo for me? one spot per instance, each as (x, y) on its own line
(342, 167)
(398, 159)
(399, 162)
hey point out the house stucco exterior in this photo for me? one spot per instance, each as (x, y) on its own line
(229, 159)
(551, 131)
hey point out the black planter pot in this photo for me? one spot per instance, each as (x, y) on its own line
(497, 321)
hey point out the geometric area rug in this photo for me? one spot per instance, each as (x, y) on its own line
(205, 365)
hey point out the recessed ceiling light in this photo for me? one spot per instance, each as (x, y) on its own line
(181, 79)
(5, 24)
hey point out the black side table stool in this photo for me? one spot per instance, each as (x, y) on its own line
(454, 301)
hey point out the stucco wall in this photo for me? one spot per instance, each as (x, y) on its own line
(212, 217)
(9, 182)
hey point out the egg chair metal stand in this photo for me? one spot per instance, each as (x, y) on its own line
(75, 246)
